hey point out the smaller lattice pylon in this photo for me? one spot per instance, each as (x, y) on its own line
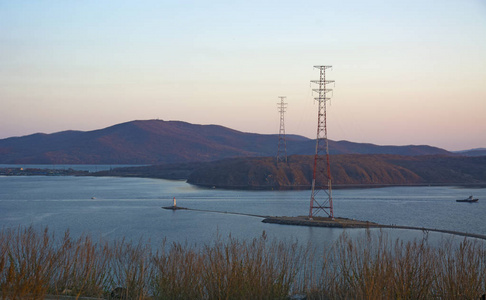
(282, 143)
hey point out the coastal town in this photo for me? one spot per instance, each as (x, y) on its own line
(41, 172)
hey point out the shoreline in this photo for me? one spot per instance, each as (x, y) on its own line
(70, 172)
(336, 186)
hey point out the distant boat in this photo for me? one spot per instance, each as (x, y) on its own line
(470, 199)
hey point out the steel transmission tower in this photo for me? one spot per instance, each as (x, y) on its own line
(321, 197)
(282, 143)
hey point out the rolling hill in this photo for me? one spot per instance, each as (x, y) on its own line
(157, 142)
(347, 170)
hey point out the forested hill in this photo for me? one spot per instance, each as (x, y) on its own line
(347, 171)
(158, 142)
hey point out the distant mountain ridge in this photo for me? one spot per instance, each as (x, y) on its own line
(472, 152)
(157, 141)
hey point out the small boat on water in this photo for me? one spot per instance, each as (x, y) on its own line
(470, 199)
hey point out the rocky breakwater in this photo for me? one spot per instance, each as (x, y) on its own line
(322, 222)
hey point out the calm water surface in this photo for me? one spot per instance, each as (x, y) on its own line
(131, 208)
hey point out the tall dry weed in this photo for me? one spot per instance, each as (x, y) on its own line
(131, 269)
(34, 264)
(82, 267)
(461, 270)
(255, 269)
(27, 258)
(372, 267)
(178, 273)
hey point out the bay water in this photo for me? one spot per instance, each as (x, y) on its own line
(112, 208)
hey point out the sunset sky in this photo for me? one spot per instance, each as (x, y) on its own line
(406, 72)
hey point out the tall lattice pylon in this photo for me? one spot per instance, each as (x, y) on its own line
(282, 143)
(321, 197)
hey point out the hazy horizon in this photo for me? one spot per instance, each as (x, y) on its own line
(406, 72)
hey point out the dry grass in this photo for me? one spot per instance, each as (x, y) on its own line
(234, 269)
(374, 267)
(34, 264)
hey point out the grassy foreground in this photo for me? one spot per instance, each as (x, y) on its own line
(34, 264)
